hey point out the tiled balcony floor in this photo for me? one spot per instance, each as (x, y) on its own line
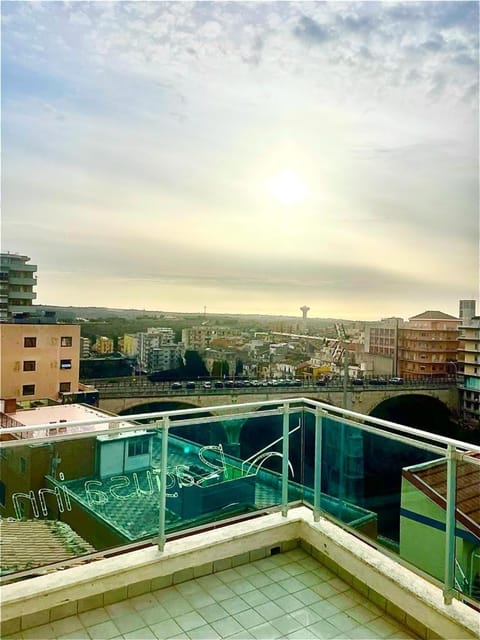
(289, 595)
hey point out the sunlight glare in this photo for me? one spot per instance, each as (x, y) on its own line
(287, 188)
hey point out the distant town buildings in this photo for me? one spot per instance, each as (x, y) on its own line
(38, 360)
(428, 345)
(17, 280)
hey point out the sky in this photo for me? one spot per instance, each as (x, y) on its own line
(244, 157)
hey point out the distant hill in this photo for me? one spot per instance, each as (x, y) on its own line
(89, 313)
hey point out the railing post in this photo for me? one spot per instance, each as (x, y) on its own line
(450, 525)
(163, 485)
(285, 452)
(317, 481)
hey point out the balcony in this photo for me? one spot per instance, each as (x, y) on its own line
(21, 295)
(169, 500)
(24, 280)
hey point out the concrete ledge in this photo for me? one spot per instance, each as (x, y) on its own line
(401, 593)
(393, 588)
(136, 570)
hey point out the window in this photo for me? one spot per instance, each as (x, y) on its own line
(29, 365)
(66, 341)
(138, 447)
(65, 364)
(65, 387)
(29, 342)
(28, 390)
(3, 491)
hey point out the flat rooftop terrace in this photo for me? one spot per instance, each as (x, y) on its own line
(286, 595)
(272, 577)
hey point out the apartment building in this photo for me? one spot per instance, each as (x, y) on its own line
(38, 360)
(427, 345)
(17, 280)
(199, 338)
(381, 337)
(84, 347)
(103, 345)
(130, 344)
(155, 338)
(469, 357)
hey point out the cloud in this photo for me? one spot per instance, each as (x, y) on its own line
(157, 126)
(311, 32)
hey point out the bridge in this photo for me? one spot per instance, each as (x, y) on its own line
(121, 397)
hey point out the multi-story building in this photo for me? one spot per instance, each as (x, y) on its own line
(466, 310)
(155, 338)
(469, 356)
(164, 357)
(103, 345)
(382, 337)
(428, 345)
(84, 347)
(38, 360)
(17, 280)
(199, 338)
(130, 344)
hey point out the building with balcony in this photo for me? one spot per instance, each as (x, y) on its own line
(428, 345)
(38, 360)
(84, 347)
(130, 345)
(381, 337)
(157, 350)
(103, 345)
(17, 280)
(199, 338)
(469, 361)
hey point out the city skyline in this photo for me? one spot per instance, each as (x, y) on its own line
(246, 157)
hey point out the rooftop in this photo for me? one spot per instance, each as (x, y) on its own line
(54, 541)
(431, 479)
(59, 414)
(433, 315)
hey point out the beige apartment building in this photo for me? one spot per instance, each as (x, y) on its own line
(199, 338)
(38, 361)
(428, 345)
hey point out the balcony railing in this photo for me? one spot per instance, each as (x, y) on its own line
(102, 486)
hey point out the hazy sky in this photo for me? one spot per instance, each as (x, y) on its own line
(244, 156)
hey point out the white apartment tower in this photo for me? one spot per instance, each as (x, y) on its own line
(17, 279)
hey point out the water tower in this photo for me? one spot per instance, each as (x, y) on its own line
(304, 311)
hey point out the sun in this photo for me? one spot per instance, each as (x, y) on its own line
(287, 188)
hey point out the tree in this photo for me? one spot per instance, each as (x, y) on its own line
(238, 367)
(194, 365)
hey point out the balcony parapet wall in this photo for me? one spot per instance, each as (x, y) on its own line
(415, 602)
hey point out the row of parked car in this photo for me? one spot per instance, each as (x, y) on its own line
(230, 384)
(239, 383)
(377, 381)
